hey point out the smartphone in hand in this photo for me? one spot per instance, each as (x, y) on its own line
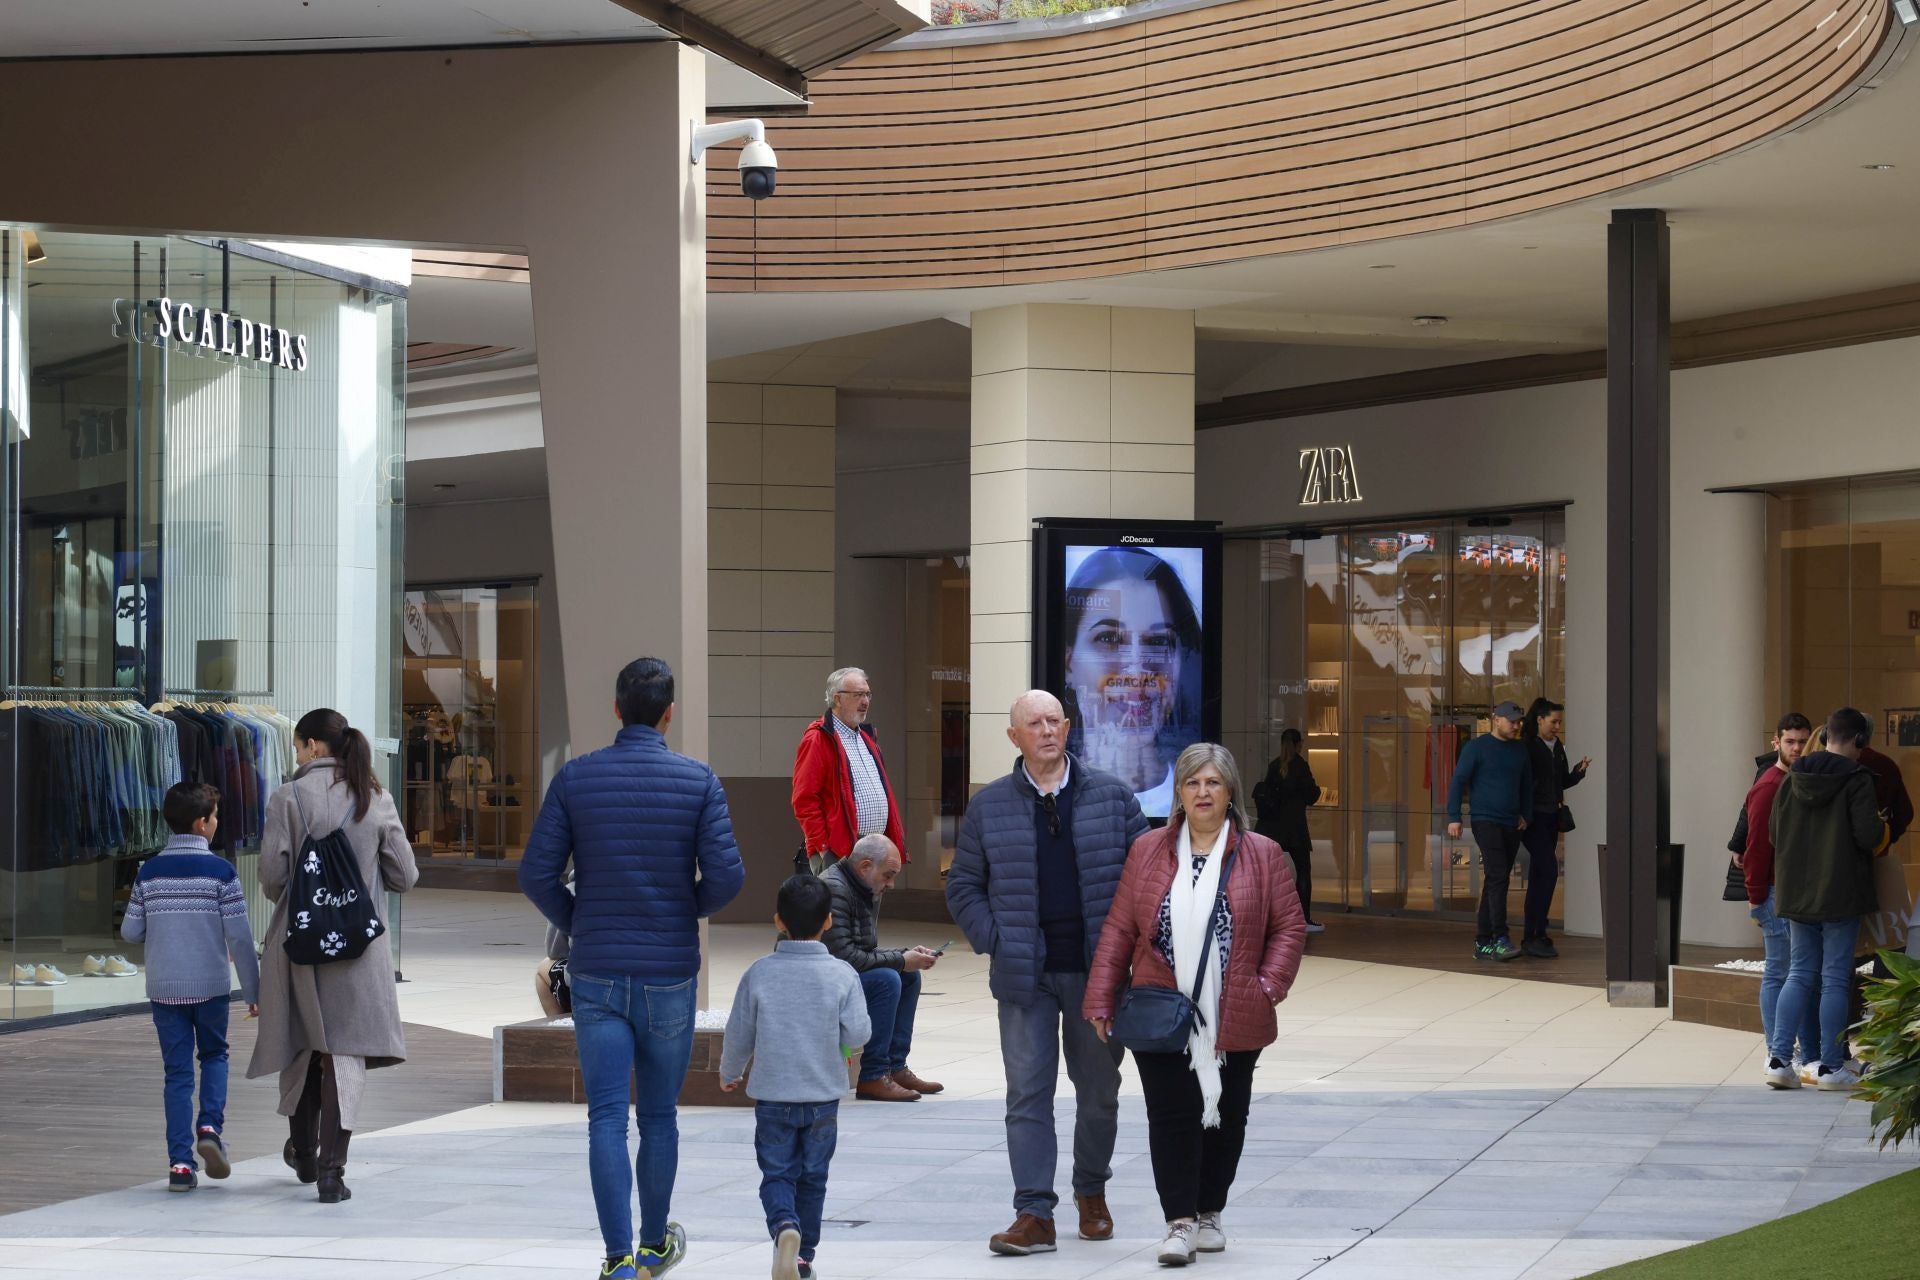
(942, 948)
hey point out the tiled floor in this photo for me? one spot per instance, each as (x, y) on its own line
(1408, 1124)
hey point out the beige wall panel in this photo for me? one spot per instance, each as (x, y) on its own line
(733, 453)
(1149, 341)
(1153, 408)
(736, 685)
(800, 644)
(736, 745)
(733, 402)
(786, 497)
(798, 455)
(797, 540)
(796, 601)
(999, 577)
(731, 497)
(733, 600)
(734, 540)
(999, 340)
(799, 406)
(792, 686)
(1067, 404)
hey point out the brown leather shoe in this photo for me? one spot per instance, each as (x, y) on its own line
(1096, 1223)
(1028, 1234)
(907, 1080)
(884, 1090)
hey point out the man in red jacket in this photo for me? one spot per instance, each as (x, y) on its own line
(840, 787)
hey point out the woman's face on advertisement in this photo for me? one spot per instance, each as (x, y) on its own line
(1124, 667)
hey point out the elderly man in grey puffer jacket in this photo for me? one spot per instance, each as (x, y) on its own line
(1039, 857)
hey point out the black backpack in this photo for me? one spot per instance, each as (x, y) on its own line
(330, 913)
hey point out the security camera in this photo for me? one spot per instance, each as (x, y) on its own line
(758, 165)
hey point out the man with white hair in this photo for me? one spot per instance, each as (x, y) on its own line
(889, 978)
(1038, 859)
(840, 786)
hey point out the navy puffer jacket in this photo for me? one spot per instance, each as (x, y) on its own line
(993, 886)
(637, 820)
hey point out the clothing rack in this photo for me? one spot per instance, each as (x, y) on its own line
(219, 695)
(122, 694)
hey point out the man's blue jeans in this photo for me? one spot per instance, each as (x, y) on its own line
(1819, 976)
(893, 997)
(626, 1030)
(794, 1142)
(186, 1030)
(1776, 934)
(1032, 1039)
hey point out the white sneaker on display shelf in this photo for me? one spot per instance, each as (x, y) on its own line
(121, 967)
(93, 967)
(47, 975)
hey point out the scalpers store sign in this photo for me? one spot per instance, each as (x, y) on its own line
(202, 331)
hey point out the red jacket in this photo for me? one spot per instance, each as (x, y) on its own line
(823, 792)
(1756, 864)
(1269, 933)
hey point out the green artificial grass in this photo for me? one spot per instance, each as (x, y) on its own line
(1869, 1234)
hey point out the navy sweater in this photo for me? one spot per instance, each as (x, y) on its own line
(1500, 776)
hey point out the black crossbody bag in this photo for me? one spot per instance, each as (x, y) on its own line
(1161, 1019)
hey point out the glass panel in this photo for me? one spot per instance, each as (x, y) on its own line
(933, 787)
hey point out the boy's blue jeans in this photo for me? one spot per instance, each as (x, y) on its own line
(794, 1142)
(628, 1031)
(187, 1029)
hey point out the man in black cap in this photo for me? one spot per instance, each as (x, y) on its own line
(1498, 770)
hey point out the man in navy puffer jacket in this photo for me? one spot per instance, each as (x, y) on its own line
(1038, 859)
(653, 852)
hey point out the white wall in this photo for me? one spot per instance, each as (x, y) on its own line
(1823, 414)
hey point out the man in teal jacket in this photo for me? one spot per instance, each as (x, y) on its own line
(1498, 770)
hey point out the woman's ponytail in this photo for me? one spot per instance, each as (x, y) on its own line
(352, 753)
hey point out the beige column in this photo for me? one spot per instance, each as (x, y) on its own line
(769, 573)
(1077, 411)
(618, 256)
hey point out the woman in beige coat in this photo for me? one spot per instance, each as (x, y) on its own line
(322, 1027)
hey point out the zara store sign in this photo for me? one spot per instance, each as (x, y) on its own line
(1328, 476)
(204, 331)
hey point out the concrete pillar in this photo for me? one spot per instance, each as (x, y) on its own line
(1077, 411)
(618, 256)
(770, 576)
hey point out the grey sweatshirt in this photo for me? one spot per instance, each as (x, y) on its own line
(796, 1013)
(189, 908)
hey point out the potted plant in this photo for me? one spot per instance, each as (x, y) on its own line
(1888, 1042)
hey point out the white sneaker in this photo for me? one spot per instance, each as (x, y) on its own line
(47, 975)
(23, 975)
(1177, 1249)
(1807, 1071)
(1782, 1075)
(1314, 926)
(93, 967)
(121, 967)
(786, 1255)
(1208, 1235)
(1838, 1080)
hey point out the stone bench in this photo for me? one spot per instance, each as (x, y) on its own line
(1727, 998)
(537, 1062)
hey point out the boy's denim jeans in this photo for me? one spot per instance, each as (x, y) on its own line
(187, 1030)
(1777, 936)
(1819, 977)
(794, 1142)
(626, 1030)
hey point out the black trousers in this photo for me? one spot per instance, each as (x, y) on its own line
(1542, 839)
(1193, 1168)
(1303, 877)
(1498, 847)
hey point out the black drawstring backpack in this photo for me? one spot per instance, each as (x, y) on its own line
(330, 913)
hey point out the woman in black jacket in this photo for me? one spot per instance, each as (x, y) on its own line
(1551, 779)
(1283, 798)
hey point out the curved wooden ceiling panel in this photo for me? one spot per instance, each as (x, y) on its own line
(1256, 127)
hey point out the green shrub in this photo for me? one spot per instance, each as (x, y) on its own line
(1888, 1042)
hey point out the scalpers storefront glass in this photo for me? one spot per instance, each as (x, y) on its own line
(198, 542)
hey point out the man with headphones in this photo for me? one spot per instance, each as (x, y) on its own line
(1826, 829)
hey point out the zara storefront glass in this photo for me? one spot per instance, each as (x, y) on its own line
(199, 545)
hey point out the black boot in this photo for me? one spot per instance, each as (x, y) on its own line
(333, 1139)
(302, 1150)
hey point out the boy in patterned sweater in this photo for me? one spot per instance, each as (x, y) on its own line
(189, 908)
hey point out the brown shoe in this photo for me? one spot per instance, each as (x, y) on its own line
(884, 1090)
(1028, 1234)
(907, 1080)
(1096, 1223)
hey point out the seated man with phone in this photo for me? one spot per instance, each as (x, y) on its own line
(890, 978)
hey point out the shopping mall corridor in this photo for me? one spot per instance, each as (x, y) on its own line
(1409, 1123)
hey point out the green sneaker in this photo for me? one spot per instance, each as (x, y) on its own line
(620, 1268)
(1484, 951)
(1502, 949)
(657, 1262)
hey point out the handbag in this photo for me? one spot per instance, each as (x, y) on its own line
(1566, 817)
(558, 987)
(1161, 1019)
(330, 915)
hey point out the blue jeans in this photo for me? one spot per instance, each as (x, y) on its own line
(794, 1143)
(628, 1031)
(1031, 1042)
(1819, 976)
(187, 1029)
(892, 999)
(1776, 934)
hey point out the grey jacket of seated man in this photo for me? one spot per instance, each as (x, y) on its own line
(854, 935)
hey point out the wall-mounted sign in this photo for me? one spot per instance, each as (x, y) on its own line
(1328, 475)
(202, 331)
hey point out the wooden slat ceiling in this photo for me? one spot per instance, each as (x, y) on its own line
(786, 41)
(1257, 127)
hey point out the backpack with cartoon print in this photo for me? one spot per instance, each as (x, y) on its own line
(330, 913)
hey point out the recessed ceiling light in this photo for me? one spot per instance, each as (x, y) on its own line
(443, 486)
(1382, 266)
(1529, 246)
(1429, 320)
(1876, 168)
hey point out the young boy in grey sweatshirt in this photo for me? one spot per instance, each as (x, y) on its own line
(189, 908)
(799, 1015)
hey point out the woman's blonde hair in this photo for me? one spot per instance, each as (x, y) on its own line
(1199, 756)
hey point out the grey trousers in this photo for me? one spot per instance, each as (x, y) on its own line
(1031, 1040)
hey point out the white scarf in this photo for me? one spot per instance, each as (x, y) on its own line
(1192, 911)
